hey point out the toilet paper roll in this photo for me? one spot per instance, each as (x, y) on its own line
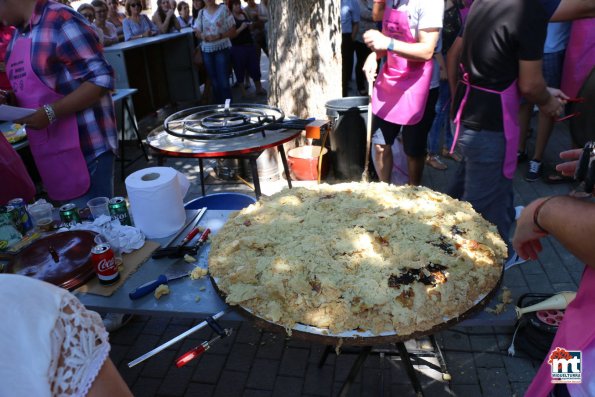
(156, 197)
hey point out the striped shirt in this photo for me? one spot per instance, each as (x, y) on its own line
(65, 53)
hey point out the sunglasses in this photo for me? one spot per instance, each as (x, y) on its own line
(135, 5)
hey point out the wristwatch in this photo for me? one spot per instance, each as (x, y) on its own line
(391, 45)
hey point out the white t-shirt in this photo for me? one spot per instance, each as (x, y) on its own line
(423, 14)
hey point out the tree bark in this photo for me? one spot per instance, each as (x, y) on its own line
(305, 55)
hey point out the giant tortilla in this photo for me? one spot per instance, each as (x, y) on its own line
(357, 256)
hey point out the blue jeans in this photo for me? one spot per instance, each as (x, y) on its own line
(479, 179)
(218, 65)
(101, 171)
(441, 121)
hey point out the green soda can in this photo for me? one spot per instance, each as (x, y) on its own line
(119, 210)
(69, 214)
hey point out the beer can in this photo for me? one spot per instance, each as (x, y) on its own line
(24, 217)
(69, 214)
(119, 210)
(104, 263)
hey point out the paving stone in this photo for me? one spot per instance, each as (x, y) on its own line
(461, 367)
(128, 334)
(171, 332)
(556, 272)
(118, 353)
(231, 384)
(435, 388)
(143, 344)
(343, 365)
(257, 393)
(158, 366)
(466, 390)
(402, 390)
(146, 387)
(519, 388)
(130, 375)
(494, 382)
(316, 354)
(199, 390)
(271, 346)
(519, 370)
(481, 345)
(186, 322)
(241, 357)
(319, 381)
(223, 346)
(300, 344)
(156, 325)
(263, 374)
(286, 386)
(294, 362)
(176, 381)
(209, 370)
(538, 283)
(374, 380)
(248, 333)
(560, 287)
(455, 340)
(514, 277)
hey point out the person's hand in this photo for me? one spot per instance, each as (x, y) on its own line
(376, 41)
(555, 104)
(244, 25)
(568, 168)
(169, 13)
(526, 236)
(370, 67)
(37, 121)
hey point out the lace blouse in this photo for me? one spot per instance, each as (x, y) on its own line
(51, 345)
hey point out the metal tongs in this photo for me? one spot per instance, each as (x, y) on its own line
(179, 251)
(585, 169)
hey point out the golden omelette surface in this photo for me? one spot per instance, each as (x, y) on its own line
(357, 256)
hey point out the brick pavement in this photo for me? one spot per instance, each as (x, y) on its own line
(256, 363)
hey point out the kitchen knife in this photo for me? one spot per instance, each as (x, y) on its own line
(151, 286)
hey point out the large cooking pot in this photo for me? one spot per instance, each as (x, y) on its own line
(62, 259)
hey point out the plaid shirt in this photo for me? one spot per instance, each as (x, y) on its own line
(65, 52)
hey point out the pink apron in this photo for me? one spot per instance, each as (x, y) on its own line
(402, 86)
(576, 332)
(580, 56)
(56, 149)
(510, 99)
(12, 169)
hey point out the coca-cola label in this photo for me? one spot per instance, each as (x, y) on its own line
(107, 267)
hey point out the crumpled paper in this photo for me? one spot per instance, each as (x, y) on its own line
(129, 237)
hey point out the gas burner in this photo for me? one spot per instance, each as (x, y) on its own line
(223, 121)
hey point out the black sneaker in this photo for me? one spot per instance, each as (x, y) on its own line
(521, 156)
(534, 171)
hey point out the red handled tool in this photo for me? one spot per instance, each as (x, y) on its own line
(200, 349)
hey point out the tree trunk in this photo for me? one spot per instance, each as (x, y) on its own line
(305, 55)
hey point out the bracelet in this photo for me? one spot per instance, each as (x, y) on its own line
(391, 45)
(49, 112)
(536, 214)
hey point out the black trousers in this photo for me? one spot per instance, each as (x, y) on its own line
(361, 54)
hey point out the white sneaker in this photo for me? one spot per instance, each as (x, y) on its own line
(114, 321)
(514, 260)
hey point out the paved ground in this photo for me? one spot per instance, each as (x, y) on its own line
(256, 363)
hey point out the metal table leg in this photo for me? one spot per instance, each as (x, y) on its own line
(327, 350)
(202, 176)
(134, 127)
(285, 165)
(361, 358)
(406, 360)
(254, 168)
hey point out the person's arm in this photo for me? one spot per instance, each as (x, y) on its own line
(245, 25)
(152, 29)
(127, 30)
(378, 11)
(573, 9)
(442, 64)
(78, 49)
(423, 50)
(532, 85)
(354, 30)
(161, 25)
(569, 220)
(453, 57)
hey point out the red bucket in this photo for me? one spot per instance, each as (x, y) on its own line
(303, 161)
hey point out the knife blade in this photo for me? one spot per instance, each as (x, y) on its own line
(151, 286)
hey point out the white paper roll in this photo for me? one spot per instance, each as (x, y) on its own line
(156, 198)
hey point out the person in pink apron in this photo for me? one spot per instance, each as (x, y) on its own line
(410, 31)
(55, 65)
(12, 169)
(580, 56)
(572, 223)
(502, 48)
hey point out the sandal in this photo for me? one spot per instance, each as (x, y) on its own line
(454, 156)
(435, 162)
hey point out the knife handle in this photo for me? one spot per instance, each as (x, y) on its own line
(190, 236)
(146, 289)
